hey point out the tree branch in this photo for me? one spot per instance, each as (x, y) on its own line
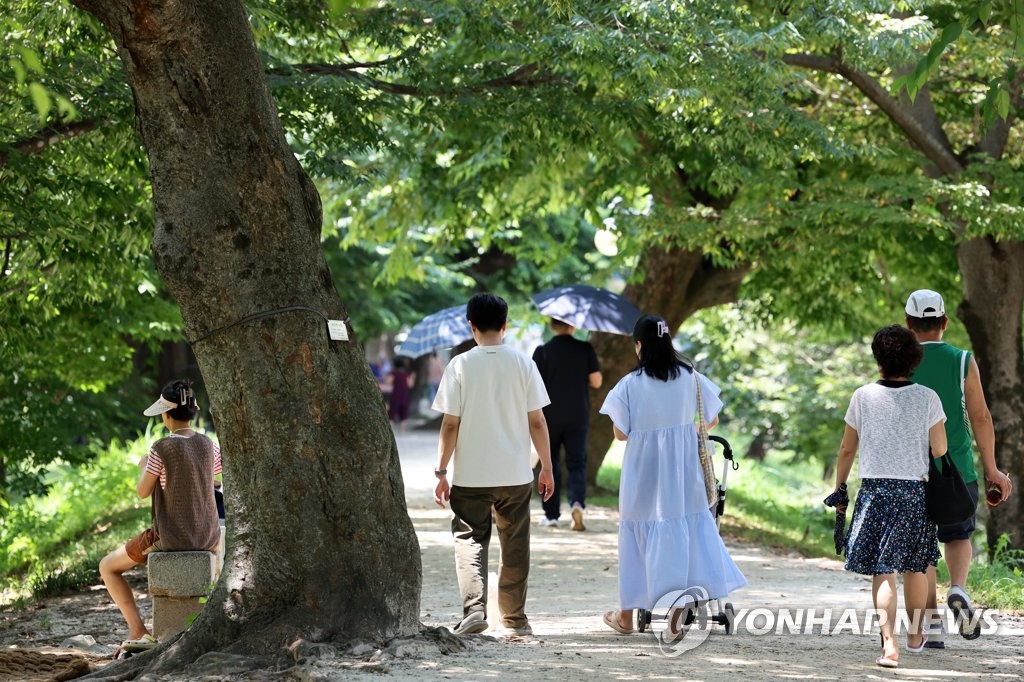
(48, 137)
(925, 140)
(7, 257)
(518, 78)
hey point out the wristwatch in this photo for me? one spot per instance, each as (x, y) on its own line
(440, 472)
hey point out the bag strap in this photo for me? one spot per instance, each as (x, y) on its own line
(702, 426)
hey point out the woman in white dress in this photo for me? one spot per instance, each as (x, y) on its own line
(668, 540)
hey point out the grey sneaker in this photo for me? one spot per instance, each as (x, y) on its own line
(960, 603)
(523, 630)
(473, 623)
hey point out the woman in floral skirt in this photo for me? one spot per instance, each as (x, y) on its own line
(892, 423)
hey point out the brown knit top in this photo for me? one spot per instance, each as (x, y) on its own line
(184, 508)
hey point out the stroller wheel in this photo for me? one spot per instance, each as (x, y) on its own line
(643, 619)
(730, 617)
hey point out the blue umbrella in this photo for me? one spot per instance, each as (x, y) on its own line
(444, 329)
(590, 308)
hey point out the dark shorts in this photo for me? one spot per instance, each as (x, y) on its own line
(139, 547)
(965, 529)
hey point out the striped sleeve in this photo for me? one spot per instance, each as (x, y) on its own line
(217, 463)
(154, 465)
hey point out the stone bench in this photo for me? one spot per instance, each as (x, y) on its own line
(177, 581)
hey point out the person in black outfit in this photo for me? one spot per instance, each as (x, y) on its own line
(569, 368)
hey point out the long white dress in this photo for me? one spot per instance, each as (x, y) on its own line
(668, 540)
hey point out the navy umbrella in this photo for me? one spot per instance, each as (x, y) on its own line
(590, 308)
(840, 499)
(444, 329)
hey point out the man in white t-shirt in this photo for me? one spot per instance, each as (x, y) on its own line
(492, 398)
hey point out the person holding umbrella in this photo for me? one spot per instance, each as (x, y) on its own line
(569, 368)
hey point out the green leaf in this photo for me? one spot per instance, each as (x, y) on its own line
(67, 110)
(41, 98)
(19, 70)
(30, 58)
(950, 33)
(1003, 103)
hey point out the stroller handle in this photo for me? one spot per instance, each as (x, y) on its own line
(726, 448)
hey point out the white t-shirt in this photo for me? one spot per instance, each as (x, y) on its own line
(491, 389)
(892, 426)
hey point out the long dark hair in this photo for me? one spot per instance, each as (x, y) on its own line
(658, 357)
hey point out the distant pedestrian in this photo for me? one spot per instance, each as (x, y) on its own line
(492, 398)
(401, 381)
(178, 474)
(435, 370)
(891, 424)
(570, 369)
(668, 540)
(954, 375)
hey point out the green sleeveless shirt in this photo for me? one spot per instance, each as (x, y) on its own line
(940, 371)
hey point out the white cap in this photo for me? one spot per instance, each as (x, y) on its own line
(925, 303)
(161, 405)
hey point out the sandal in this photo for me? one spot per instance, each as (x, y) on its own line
(611, 619)
(886, 662)
(144, 643)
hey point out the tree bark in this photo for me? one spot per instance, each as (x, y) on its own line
(677, 283)
(320, 546)
(993, 283)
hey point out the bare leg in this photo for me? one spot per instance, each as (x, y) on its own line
(958, 557)
(915, 598)
(112, 567)
(883, 594)
(626, 619)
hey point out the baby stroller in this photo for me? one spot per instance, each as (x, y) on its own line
(724, 614)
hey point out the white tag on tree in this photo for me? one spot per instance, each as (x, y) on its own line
(337, 330)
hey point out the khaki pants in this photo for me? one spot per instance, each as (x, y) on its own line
(471, 529)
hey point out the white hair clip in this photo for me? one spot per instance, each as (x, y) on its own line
(662, 328)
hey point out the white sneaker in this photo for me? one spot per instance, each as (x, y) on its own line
(545, 522)
(963, 612)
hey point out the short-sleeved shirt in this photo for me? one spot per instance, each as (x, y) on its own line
(492, 389)
(943, 369)
(565, 364)
(892, 428)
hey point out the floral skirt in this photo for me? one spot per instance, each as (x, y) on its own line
(890, 531)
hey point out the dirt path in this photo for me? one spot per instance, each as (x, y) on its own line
(573, 581)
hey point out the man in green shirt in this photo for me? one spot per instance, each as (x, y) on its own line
(954, 375)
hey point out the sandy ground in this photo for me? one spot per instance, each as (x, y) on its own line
(573, 581)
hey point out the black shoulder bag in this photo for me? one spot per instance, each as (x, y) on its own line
(946, 495)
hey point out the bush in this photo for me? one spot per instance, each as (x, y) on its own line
(52, 542)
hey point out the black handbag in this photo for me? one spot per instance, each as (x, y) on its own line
(945, 493)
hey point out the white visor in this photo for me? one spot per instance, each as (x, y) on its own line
(161, 405)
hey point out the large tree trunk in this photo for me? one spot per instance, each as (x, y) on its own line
(677, 283)
(993, 283)
(319, 545)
